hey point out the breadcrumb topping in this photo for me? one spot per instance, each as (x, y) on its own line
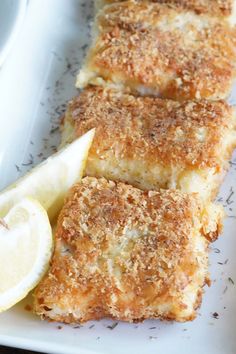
(153, 49)
(191, 134)
(127, 254)
(221, 8)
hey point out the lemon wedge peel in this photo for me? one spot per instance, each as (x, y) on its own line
(26, 249)
(40, 193)
(49, 181)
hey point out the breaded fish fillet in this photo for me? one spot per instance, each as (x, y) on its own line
(224, 9)
(157, 50)
(128, 254)
(154, 143)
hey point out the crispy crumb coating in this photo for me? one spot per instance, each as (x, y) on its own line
(153, 49)
(128, 254)
(154, 143)
(219, 8)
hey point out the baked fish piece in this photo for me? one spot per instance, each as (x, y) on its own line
(153, 49)
(154, 143)
(224, 9)
(128, 254)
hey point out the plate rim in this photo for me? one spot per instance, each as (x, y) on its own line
(14, 31)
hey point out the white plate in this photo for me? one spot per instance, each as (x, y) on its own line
(11, 17)
(36, 81)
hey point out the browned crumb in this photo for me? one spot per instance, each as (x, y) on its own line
(221, 8)
(153, 49)
(127, 254)
(191, 133)
(154, 143)
(28, 308)
(4, 224)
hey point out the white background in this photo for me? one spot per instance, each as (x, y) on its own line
(35, 82)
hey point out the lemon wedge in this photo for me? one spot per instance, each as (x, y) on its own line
(25, 250)
(49, 181)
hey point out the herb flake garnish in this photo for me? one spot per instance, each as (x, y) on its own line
(228, 200)
(215, 315)
(113, 326)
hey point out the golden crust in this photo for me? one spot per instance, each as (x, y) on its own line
(177, 136)
(153, 128)
(127, 254)
(219, 8)
(153, 49)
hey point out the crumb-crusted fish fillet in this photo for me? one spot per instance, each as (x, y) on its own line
(224, 9)
(128, 254)
(154, 143)
(154, 49)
